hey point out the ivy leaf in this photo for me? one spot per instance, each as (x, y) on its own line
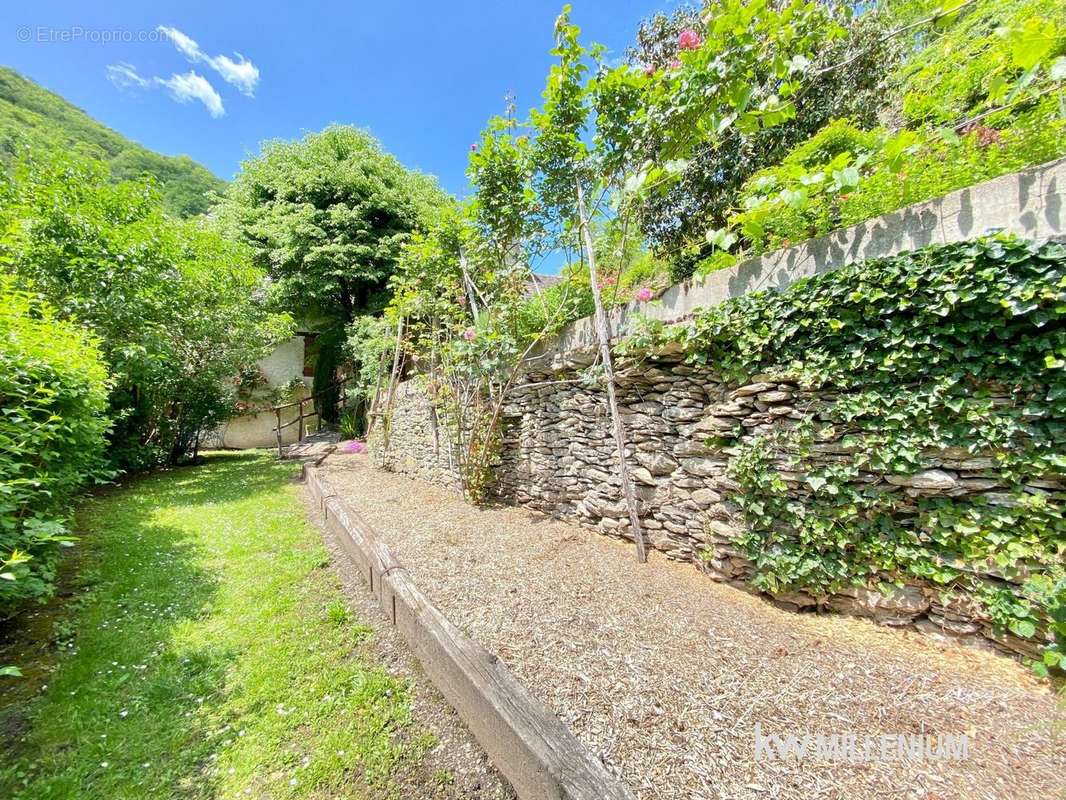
(947, 12)
(722, 238)
(899, 146)
(1023, 628)
(634, 182)
(847, 178)
(794, 198)
(948, 136)
(1030, 43)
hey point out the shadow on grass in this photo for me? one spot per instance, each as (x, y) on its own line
(122, 714)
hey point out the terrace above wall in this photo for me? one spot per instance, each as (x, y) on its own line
(1027, 203)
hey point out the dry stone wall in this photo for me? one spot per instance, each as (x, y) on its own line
(416, 443)
(684, 427)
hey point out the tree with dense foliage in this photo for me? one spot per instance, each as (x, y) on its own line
(31, 116)
(178, 308)
(326, 216)
(53, 404)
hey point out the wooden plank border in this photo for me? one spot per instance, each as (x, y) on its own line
(533, 749)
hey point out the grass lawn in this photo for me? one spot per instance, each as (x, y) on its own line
(207, 652)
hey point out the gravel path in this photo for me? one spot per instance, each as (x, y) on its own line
(664, 674)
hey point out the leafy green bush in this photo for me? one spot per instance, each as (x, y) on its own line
(557, 305)
(369, 348)
(985, 56)
(53, 399)
(178, 308)
(351, 423)
(843, 175)
(957, 348)
(675, 221)
(965, 91)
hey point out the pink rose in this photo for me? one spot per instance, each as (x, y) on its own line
(688, 40)
(649, 70)
(675, 63)
(469, 334)
(644, 294)
(473, 148)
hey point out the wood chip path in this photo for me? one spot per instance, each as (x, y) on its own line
(664, 674)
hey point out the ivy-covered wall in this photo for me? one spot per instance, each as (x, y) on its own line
(888, 439)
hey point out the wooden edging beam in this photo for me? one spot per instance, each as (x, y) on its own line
(533, 749)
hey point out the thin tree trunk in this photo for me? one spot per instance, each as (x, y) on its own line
(394, 379)
(604, 335)
(371, 417)
(468, 284)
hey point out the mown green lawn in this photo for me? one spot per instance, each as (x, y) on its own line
(210, 654)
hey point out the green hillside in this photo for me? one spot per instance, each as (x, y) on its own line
(34, 114)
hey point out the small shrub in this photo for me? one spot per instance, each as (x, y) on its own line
(843, 176)
(553, 308)
(53, 398)
(349, 424)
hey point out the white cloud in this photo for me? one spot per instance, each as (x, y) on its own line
(183, 88)
(125, 75)
(241, 72)
(191, 86)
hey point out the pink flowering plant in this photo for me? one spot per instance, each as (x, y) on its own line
(688, 40)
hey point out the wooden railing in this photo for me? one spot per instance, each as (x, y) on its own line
(342, 395)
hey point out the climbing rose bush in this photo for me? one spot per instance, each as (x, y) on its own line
(688, 40)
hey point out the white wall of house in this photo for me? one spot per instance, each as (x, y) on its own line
(257, 430)
(285, 363)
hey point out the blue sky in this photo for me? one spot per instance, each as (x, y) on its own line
(421, 76)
